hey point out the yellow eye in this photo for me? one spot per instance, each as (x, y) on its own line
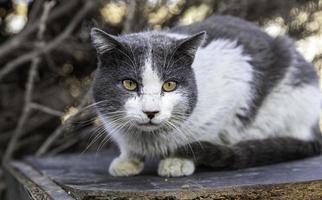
(169, 86)
(130, 85)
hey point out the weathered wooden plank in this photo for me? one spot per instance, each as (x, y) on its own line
(86, 177)
(31, 184)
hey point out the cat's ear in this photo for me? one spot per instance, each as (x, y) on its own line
(104, 42)
(190, 45)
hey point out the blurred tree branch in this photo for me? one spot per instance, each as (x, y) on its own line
(26, 110)
(36, 8)
(14, 42)
(46, 109)
(89, 5)
(29, 85)
(135, 21)
(60, 129)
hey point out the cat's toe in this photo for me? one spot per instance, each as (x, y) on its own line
(125, 167)
(175, 167)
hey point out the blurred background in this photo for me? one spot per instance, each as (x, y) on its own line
(47, 62)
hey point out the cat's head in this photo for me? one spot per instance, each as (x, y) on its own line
(145, 81)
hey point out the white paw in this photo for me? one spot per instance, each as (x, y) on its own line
(125, 167)
(174, 167)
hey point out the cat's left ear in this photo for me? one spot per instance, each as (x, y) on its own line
(104, 42)
(190, 45)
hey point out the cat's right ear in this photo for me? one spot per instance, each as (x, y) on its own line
(104, 42)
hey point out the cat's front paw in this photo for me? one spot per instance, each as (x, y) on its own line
(175, 167)
(125, 167)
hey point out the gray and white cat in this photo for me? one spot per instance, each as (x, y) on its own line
(219, 93)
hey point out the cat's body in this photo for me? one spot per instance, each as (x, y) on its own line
(242, 99)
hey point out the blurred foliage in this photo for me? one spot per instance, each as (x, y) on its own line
(65, 72)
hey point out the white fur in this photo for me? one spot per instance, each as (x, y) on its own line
(121, 166)
(174, 167)
(223, 74)
(287, 111)
(151, 88)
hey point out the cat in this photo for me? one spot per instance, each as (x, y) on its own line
(220, 93)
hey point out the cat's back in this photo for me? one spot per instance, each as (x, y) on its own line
(247, 78)
(271, 59)
(267, 53)
(230, 28)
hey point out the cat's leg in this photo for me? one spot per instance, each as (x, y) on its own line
(126, 165)
(176, 166)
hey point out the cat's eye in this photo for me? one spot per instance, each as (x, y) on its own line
(130, 85)
(169, 86)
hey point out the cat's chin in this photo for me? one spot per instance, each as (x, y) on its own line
(148, 127)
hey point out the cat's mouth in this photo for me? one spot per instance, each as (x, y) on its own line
(149, 126)
(150, 123)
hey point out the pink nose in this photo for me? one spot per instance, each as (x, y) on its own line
(151, 114)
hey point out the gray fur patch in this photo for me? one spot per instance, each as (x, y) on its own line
(304, 73)
(223, 138)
